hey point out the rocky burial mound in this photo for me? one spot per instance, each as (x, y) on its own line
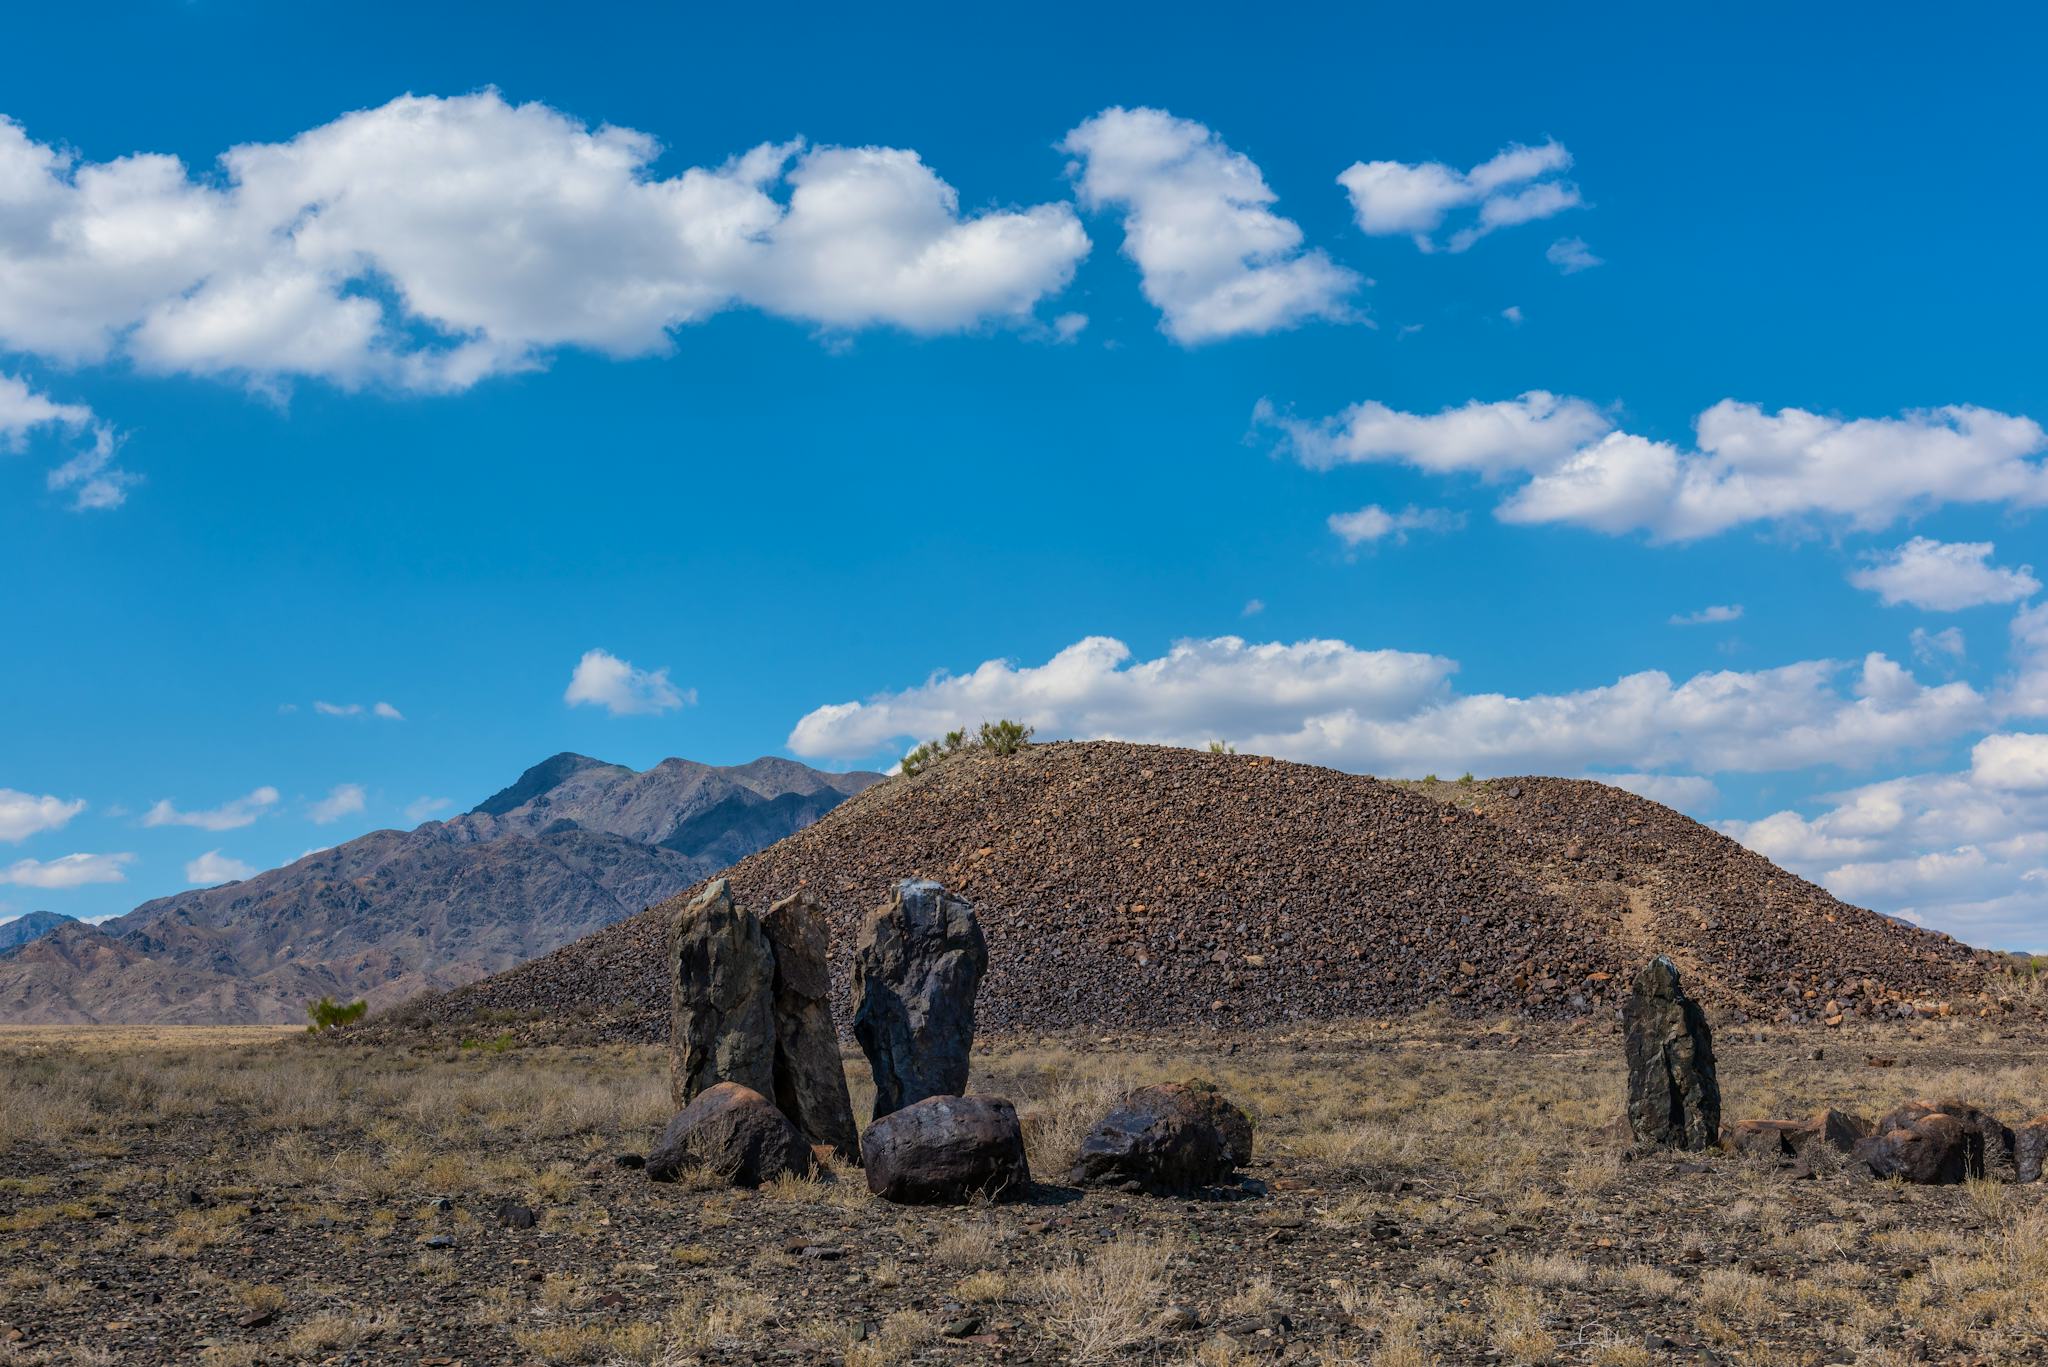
(1124, 886)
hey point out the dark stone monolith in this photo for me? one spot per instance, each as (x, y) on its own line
(1674, 1098)
(915, 974)
(810, 1083)
(721, 976)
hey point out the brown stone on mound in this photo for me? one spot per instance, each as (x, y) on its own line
(1143, 887)
(735, 1132)
(1932, 1151)
(947, 1150)
(1988, 1146)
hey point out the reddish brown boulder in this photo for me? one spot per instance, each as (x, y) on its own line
(1989, 1146)
(947, 1150)
(733, 1131)
(1838, 1130)
(1932, 1151)
(2030, 1149)
(1164, 1140)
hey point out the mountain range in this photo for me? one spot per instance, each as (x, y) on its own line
(30, 926)
(573, 845)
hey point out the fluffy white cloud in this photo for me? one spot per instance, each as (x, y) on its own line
(1964, 852)
(1214, 259)
(1571, 255)
(602, 679)
(1944, 576)
(226, 817)
(431, 242)
(383, 710)
(67, 871)
(1373, 523)
(1708, 616)
(90, 474)
(2016, 762)
(1944, 647)
(213, 868)
(1517, 185)
(344, 799)
(1394, 712)
(420, 808)
(1748, 465)
(25, 814)
(1688, 793)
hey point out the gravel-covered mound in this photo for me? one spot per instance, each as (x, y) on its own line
(1126, 886)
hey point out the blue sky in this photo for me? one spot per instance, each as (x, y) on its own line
(421, 401)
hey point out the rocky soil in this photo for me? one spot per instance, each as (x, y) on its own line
(1123, 885)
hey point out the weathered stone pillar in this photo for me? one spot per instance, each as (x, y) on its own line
(810, 1083)
(915, 974)
(721, 977)
(1674, 1098)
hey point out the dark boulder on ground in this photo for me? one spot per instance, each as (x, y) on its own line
(1988, 1146)
(810, 1084)
(915, 975)
(721, 977)
(1932, 1151)
(1837, 1130)
(1674, 1096)
(2030, 1149)
(1165, 1140)
(1227, 1116)
(947, 1150)
(735, 1132)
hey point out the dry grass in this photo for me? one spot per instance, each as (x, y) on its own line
(1101, 1301)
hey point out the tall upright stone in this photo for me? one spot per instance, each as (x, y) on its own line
(810, 1083)
(1674, 1098)
(915, 973)
(721, 976)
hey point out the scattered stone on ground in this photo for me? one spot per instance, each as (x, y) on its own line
(947, 1150)
(1836, 1130)
(915, 974)
(1987, 1144)
(733, 1132)
(1674, 1096)
(1929, 1151)
(721, 990)
(810, 1083)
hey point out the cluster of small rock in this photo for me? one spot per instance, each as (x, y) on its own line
(1674, 1101)
(749, 1021)
(1145, 887)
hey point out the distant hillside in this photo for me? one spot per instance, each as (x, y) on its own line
(574, 845)
(32, 926)
(1127, 885)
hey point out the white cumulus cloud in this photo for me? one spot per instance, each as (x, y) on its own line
(1516, 185)
(602, 679)
(1373, 523)
(431, 242)
(1746, 466)
(89, 474)
(67, 871)
(1708, 616)
(226, 817)
(213, 868)
(2016, 762)
(344, 799)
(25, 814)
(1212, 256)
(1944, 576)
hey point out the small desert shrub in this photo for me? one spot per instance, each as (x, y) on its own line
(1222, 747)
(1103, 1302)
(327, 1013)
(1004, 737)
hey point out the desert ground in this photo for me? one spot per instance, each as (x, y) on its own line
(1424, 1190)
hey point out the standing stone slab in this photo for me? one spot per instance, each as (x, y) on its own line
(810, 1084)
(1674, 1098)
(919, 963)
(721, 977)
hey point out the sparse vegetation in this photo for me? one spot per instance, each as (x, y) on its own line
(1003, 737)
(327, 1013)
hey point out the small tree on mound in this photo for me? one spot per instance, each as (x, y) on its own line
(328, 1013)
(1003, 737)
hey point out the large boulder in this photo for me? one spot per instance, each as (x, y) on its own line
(1932, 1151)
(1674, 1096)
(810, 1083)
(1165, 1140)
(721, 977)
(1989, 1148)
(1227, 1116)
(735, 1132)
(2030, 1149)
(947, 1150)
(915, 973)
(1837, 1130)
